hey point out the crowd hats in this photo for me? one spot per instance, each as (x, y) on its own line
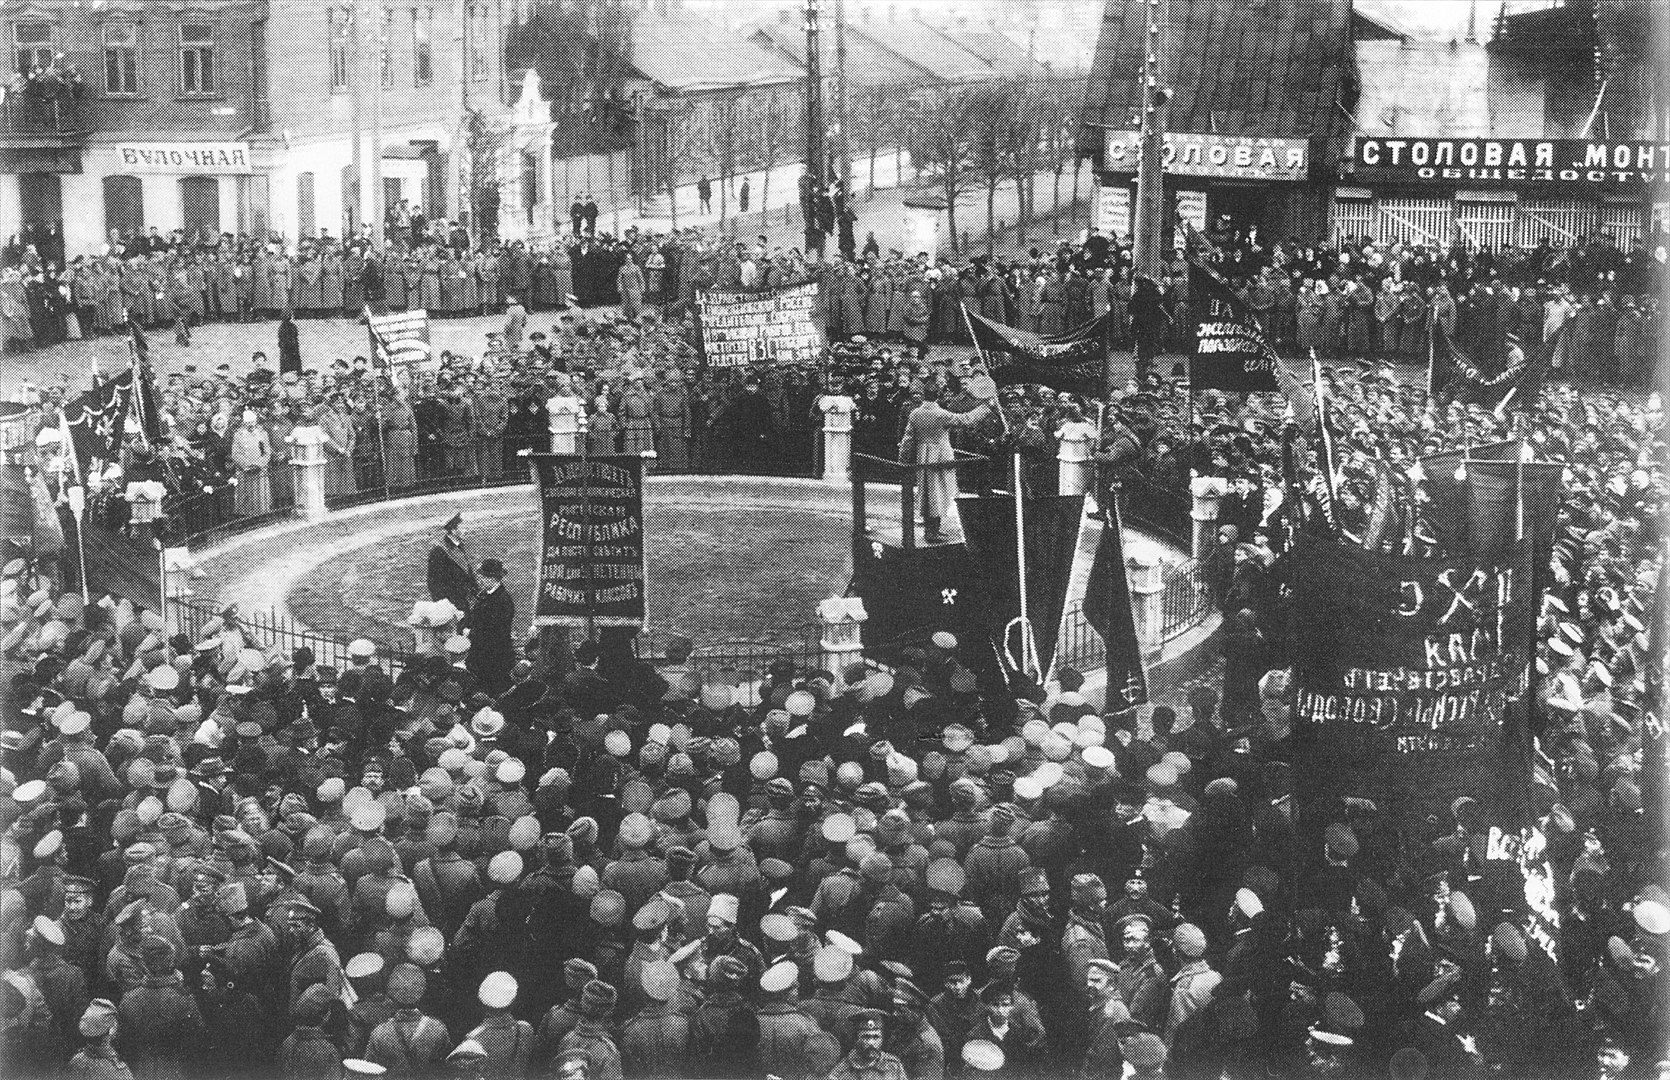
(497, 990)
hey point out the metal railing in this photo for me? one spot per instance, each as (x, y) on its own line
(272, 629)
(1186, 602)
(29, 112)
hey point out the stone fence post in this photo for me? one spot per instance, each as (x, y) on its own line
(841, 622)
(307, 461)
(838, 411)
(1147, 574)
(1207, 491)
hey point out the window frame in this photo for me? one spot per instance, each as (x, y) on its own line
(134, 49)
(205, 88)
(34, 49)
(423, 47)
(478, 65)
(339, 42)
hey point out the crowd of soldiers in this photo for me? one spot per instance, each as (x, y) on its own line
(221, 858)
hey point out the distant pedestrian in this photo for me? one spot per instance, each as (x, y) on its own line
(704, 193)
(742, 196)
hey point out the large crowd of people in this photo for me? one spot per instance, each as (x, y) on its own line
(223, 858)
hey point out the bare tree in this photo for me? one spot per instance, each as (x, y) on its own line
(942, 149)
(781, 127)
(992, 121)
(723, 122)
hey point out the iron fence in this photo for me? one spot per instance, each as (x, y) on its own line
(1186, 601)
(273, 629)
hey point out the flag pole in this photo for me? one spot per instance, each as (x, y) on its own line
(376, 391)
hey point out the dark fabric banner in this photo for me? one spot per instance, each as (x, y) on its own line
(1107, 608)
(98, 418)
(1052, 536)
(1074, 360)
(1493, 507)
(1409, 677)
(1231, 352)
(1447, 510)
(591, 568)
(1516, 387)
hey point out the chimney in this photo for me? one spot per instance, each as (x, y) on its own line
(1472, 37)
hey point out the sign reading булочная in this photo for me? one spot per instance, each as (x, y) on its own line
(183, 157)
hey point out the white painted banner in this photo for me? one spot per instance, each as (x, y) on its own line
(1191, 207)
(184, 157)
(1113, 210)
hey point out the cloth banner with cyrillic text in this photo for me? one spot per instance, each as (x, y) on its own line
(1074, 360)
(400, 338)
(591, 569)
(740, 329)
(1231, 351)
(1410, 676)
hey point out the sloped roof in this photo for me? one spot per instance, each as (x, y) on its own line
(921, 45)
(1238, 67)
(1372, 24)
(868, 64)
(1007, 58)
(689, 54)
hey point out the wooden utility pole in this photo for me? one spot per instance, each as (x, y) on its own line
(1151, 199)
(355, 59)
(816, 170)
(376, 200)
(844, 146)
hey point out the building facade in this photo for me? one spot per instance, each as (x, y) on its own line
(234, 116)
(1536, 135)
(125, 115)
(1258, 116)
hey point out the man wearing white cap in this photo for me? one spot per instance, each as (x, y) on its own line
(506, 1042)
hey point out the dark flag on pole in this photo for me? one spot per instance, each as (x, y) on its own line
(1518, 386)
(97, 418)
(1231, 351)
(1107, 608)
(1072, 360)
(144, 384)
(1052, 533)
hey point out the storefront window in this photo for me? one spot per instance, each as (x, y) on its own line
(124, 206)
(200, 208)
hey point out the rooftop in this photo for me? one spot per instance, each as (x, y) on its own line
(689, 54)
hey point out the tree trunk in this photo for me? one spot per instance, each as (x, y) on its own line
(874, 150)
(951, 214)
(1075, 185)
(724, 202)
(1023, 215)
(991, 216)
(1056, 207)
(765, 186)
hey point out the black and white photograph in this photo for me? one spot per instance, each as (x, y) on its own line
(834, 539)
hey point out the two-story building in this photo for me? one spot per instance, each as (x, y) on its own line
(123, 115)
(235, 116)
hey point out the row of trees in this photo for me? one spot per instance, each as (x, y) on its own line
(962, 139)
(978, 137)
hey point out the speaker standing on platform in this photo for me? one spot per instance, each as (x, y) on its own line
(927, 441)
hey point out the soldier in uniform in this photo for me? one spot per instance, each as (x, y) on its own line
(867, 1060)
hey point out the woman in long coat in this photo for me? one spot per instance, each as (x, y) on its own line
(279, 275)
(629, 281)
(252, 455)
(107, 315)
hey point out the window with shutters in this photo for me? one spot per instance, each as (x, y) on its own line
(121, 58)
(197, 59)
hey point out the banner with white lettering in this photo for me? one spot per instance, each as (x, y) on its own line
(1229, 157)
(1112, 215)
(401, 337)
(774, 327)
(1590, 162)
(1410, 676)
(1231, 351)
(592, 570)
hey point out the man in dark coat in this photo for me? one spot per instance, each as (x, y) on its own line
(449, 568)
(492, 650)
